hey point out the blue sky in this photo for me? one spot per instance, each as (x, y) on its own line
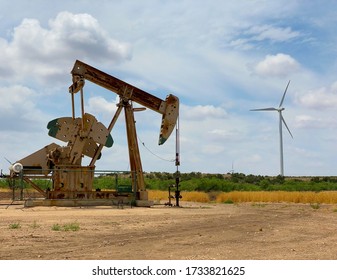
(221, 59)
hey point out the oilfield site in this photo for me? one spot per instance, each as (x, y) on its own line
(258, 231)
(168, 130)
(53, 206)
(213, 225)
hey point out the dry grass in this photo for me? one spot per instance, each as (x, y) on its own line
(195, 196)
(328, 197)
(186, 196)
(158, 195)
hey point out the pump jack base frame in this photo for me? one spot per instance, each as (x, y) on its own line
(87, 202)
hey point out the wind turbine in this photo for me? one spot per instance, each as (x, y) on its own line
(281, 120)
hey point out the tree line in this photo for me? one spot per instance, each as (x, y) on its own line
(207, 182)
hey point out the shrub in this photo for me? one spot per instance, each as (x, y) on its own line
(228, 201)
(71, 227)
(56, 227)
(66, 227)
(15, 226)
(315, 206)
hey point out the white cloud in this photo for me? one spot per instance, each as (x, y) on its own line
(319, 99)
(18, 111)
(253, 36)
(202, 112)
(39, 53)
(99, 105)
(317, 122)
(269, 32)
(223, 134)
(279, 65)
(306, 121)
(213, 149)
(23, 123)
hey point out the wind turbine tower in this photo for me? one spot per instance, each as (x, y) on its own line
(281, 120)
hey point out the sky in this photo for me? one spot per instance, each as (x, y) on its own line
(220, 58)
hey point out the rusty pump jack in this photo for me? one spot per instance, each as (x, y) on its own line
(129, 94)
(87, 136)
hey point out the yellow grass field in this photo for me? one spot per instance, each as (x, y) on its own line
(328, 197)
(186, 196)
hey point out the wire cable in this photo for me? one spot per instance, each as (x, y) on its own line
(164, 159)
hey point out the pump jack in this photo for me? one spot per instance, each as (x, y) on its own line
(73, 182)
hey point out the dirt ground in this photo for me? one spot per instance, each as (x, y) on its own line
(193, 231)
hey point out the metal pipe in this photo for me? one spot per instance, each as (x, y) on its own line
(82, 107)
(111, 125)
(73, 105)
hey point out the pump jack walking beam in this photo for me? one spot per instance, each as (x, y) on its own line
(168, 108)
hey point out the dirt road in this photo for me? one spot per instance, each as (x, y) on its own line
(194, 231)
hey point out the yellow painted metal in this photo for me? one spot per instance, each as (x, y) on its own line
(169, 119)
(71, 179)
(83, 134)
(38, 162)
(134, 155)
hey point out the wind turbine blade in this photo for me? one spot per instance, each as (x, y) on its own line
(284, 94)
(8, 160)
(265, 109)
(286, 125)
